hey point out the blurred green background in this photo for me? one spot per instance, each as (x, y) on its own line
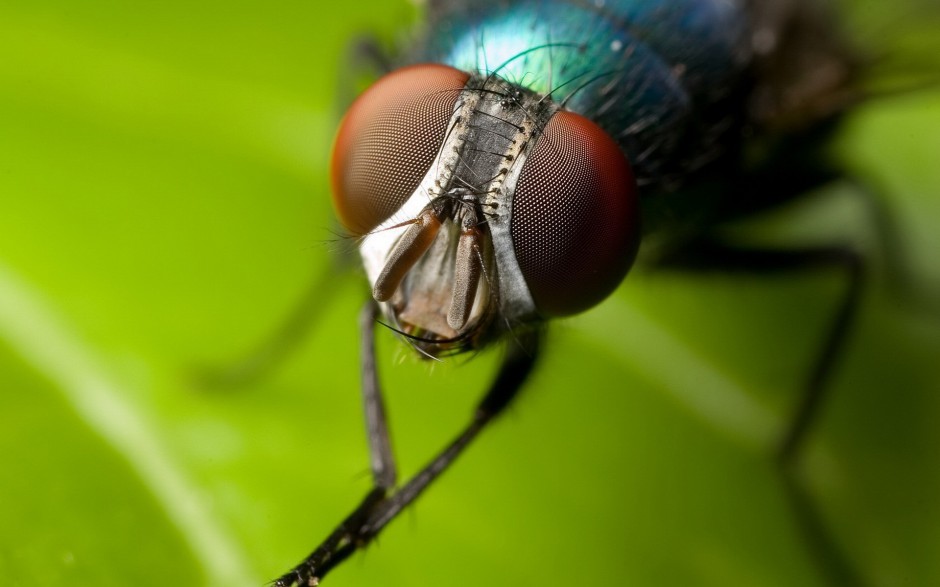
(164, 204)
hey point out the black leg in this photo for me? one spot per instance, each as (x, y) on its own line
(834, 342)
(263, 359)
(379, 508)
(380, 447)
(367, 52)
(365, 61)
(515, 369)
(706, 254)
(889, 235)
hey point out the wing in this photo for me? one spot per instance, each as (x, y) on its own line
(814, 59)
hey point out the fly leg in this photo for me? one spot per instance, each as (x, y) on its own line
(383, 503)
(366, 60)
(707, 254)
(343, 541)
(277, 346)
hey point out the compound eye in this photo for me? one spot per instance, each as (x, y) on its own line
(388, 141)
(574, 216)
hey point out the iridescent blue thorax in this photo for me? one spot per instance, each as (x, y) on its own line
(648, 72)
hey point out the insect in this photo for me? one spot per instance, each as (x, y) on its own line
(508, 174)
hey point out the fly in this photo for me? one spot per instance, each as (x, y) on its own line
(507, 172)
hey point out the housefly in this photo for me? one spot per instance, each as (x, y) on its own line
(506, 172)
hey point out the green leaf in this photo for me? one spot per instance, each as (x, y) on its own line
(164, 191)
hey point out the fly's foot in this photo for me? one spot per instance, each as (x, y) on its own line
(302, 576)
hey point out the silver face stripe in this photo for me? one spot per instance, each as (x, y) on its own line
(515, 300)
(475, 109)
(377, 245)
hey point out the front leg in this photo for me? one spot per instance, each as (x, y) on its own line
(381, 505)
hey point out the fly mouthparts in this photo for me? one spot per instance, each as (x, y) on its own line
(416, 240)
(466, 276)
(467, 257)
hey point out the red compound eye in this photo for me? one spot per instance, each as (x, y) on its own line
(388, 140)
(574, 216)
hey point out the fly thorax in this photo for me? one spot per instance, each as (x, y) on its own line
(443, 266)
